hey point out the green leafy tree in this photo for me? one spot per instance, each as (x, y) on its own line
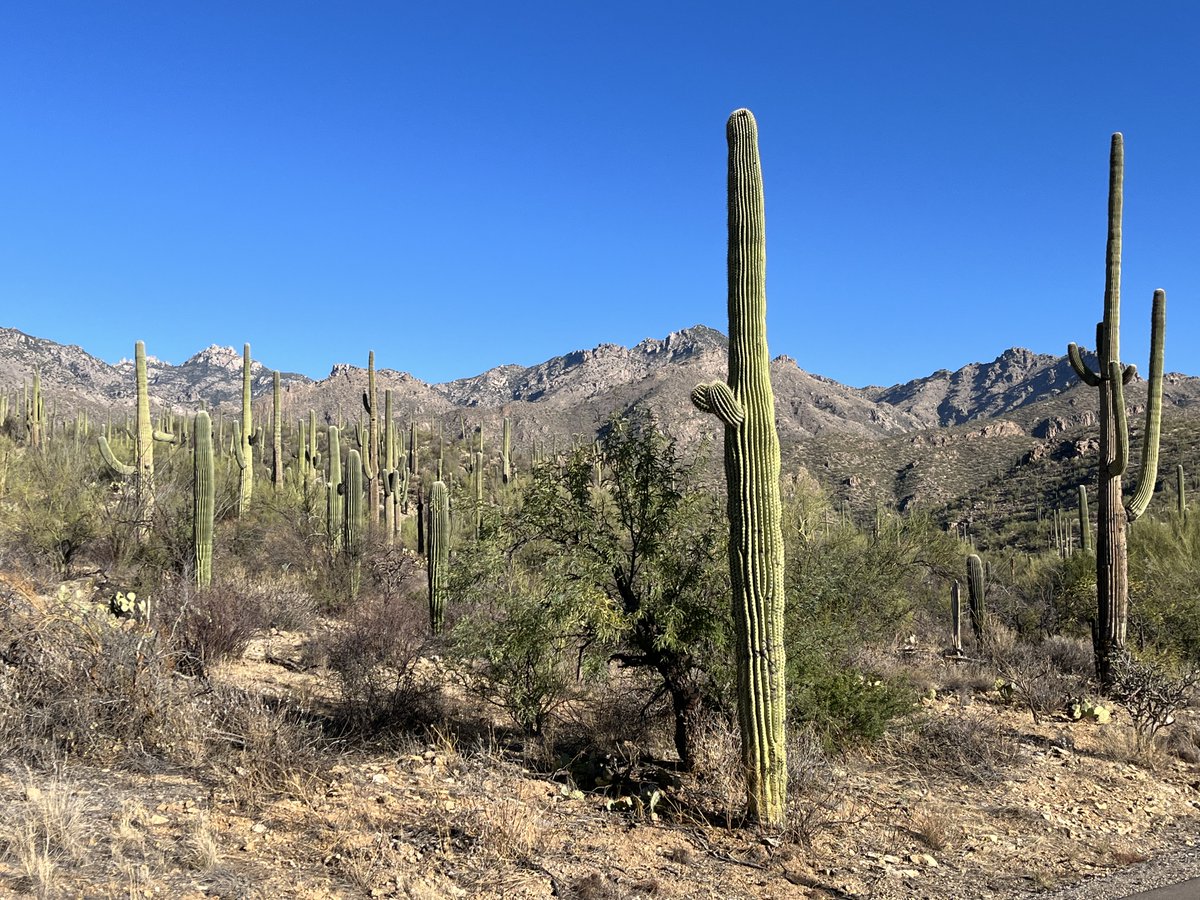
(630, 569)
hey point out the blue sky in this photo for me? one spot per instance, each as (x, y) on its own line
(461, 185)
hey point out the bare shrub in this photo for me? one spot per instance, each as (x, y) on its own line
(374, 657)
(1031, 677)
(1184, 743)
(218, 623)
(1151, 694)
(76, 680)
(816, 794)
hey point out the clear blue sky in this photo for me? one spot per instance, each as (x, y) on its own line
(461, 185)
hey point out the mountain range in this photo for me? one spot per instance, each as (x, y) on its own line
(869, 445)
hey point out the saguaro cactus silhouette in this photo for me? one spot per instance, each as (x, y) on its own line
(1112, 514)
(745, 404)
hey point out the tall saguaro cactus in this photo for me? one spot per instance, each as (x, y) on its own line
(746, 406)
(352, 488)
(203, 498)
(244, 454)
(372, 444)
(276, 435)
(1112, 513)
(438, 549)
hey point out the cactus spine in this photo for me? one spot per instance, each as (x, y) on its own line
(438, 550)
(745, 405)
(203, 498)
(1112, 515)
(975, 597)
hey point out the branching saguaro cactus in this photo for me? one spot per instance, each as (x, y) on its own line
(746, 406)
(976, 597)
(142, 469)
(372, 444)
(438, 559)
(203, 498)
(1112, 513)
(35, 412)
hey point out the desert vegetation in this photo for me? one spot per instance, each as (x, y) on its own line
(410, 656)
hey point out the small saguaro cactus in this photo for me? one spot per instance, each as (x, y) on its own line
(203, 498)
(1112, 513)
(745, 405)
(975, 597)
(1181, 495)
(438, 554)
(956, 617)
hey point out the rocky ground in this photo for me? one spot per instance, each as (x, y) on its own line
(972, 800)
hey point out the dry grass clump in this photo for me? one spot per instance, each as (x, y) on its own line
(934, 827)
(957, 744)
(42, 832)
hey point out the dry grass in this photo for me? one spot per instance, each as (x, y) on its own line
(935, 827)
(44, 831)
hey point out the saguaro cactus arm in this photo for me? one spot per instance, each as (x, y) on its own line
(1086, 375)
(111, 460)
(718, 399)
(1153, 430)
(1120, 461)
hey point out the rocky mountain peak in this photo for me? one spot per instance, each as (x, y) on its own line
(218, 357)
